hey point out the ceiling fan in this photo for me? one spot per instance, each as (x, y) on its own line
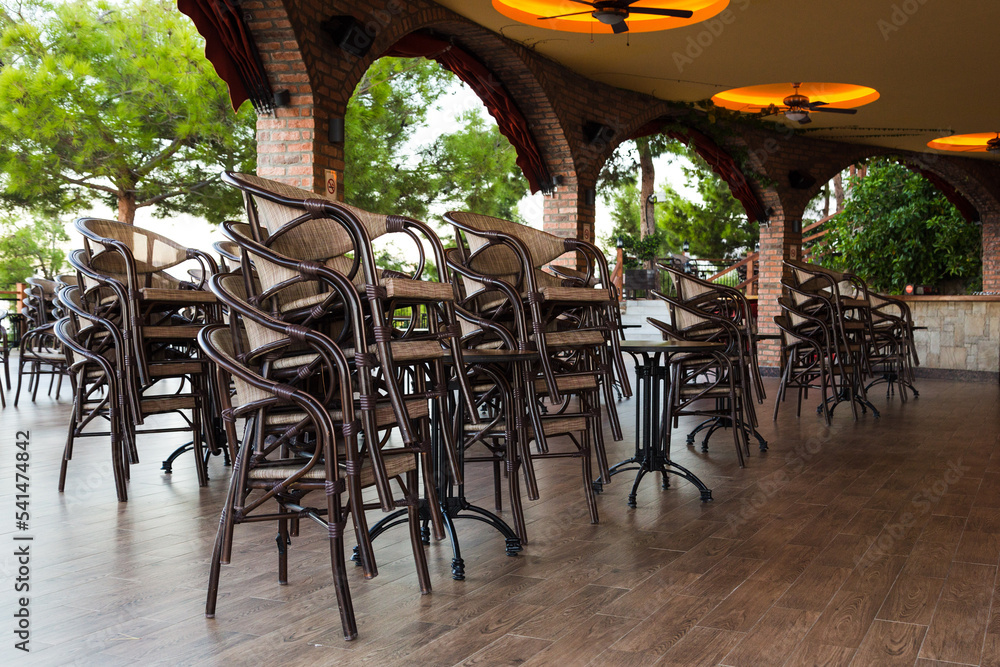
(797, 107)
(615, 12)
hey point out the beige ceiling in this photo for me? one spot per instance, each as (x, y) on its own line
(935, 62)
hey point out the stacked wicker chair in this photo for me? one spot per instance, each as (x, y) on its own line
(122, 270)
(296, 389)
(508, 301)
(98, 370)
(716, 385)
(842, 301)
(4, 356)
(40, 351)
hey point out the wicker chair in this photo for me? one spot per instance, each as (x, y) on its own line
(316, 230)
(494, 316)
(893, 350)
(718, 377)
(4, 356)
(95, 349)
(565, 312)
(160, 317)
(807, 359)
(726, 302)
(40, 352)
(848, 345)
(286, 467)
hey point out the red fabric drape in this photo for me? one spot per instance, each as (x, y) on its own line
(495, 97)
(720, 162)
(964, 206)
(231, 50)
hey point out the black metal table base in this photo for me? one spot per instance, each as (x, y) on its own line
(220, 436)
(892, 379)
(451, 509)
(844, 397)
(651, 445)
(715, 423)
(656, 463)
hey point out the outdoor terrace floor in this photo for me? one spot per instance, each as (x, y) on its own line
(875, 542)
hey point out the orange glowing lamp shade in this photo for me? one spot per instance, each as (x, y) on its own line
(752, 99)
(967, 143)
(532, 12)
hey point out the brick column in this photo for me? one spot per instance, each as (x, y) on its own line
(991, 252)
(781, 240)
(566, 213)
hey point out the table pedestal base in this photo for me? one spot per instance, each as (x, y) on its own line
(451, 509)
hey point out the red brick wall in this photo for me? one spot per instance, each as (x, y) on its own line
(991, 252)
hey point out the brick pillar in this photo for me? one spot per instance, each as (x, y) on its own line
(566, 213)
(991, 252)
(292, 145)
(780, 240)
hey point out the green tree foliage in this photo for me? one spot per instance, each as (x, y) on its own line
(717, 227)
(477, 168)
(115, 100)
(897, 228)
(473, 167)
(632, 163)
(387, 107)
(31, 249)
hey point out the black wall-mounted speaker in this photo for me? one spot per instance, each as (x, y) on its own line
(348, 34)
(801, 180)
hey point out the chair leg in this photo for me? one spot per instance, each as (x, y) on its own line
(20, 376)
(362, 535)
(588, 477)
(413, 525)
(339, 567)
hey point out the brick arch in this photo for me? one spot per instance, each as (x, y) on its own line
(963, 181)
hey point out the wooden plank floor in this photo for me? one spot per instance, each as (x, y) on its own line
(867, 543)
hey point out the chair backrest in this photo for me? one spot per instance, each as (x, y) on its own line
(272, 205)
(488, 256)
(152, 252)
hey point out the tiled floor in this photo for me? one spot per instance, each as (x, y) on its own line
(875, 542)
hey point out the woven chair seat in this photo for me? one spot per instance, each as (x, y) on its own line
(50, 357)
(395, 465)
(159, 370)
(711, 390)
(424, 290)
(568, 383)
(575, 294)
(172, 332)
(384, 414)
(187, 296)
(560, 339)
(553, 426)
(152, 405)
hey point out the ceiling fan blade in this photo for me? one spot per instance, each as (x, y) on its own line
(806, 120)
(582, 2)
(832, 110)
(676, 13)
(559, 16)
(619, 27)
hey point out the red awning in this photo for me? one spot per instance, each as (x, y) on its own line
(231, 50)
(495, 97)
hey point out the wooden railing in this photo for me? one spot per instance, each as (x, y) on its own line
(16, 295)
(752, 262)
(816, 236)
